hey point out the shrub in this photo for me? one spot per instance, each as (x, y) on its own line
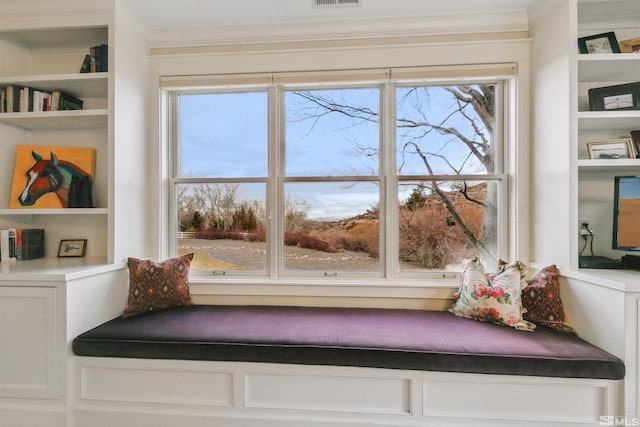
(307, 241)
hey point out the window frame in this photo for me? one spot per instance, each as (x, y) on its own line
(387, 177)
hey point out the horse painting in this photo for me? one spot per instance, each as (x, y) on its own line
(49, 176)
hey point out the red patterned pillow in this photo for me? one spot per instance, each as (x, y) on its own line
(541, 299)
(156, 286)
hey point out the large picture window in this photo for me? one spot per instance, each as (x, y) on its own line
(374, 178)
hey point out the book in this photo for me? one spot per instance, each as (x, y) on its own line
(32, 243)
(26, 99)
(13, 98)
(63, 101)
(18, 243)
(86, 64)
(92, 62)
(635, 137)
(68, 102)
(12, 243)
(104, 57)
(97, 60)
(4, 245)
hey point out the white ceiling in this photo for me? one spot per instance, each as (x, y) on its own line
(202, 21)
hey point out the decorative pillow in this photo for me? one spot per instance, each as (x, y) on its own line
(541, 298)
(496, 299)
(156, 286)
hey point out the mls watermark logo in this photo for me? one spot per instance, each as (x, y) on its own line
(612, 420)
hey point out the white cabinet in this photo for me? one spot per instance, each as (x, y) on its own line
(44, 305)
(28, 360)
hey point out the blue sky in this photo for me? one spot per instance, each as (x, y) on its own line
(630, 187)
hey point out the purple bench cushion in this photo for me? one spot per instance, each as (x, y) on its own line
(384, 338)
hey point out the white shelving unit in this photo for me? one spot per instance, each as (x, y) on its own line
(596, 177)
(49, 59)
(594, 190)
(54, 299)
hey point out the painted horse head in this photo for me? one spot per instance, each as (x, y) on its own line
(49, 176)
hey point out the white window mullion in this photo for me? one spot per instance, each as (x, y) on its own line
(174, 171)
(275, 203)
(389, 195)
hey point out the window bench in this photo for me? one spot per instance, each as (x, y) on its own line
(291, 366)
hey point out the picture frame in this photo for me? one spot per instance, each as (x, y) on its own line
(630, 46)
(72, 248)
(599, 43)
(39, 193)
(618, 97)
(635, 138)
(613, 149)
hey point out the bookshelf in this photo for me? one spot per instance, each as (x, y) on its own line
(595, 177)
(49, 59)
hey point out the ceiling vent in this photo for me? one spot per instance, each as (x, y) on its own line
(334, 3)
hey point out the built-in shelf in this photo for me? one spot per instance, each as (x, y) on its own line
(610, 120)
(58, 120)
(64, 211)
(91, 85)
(54, 269)
(614, 67)
(609, 164)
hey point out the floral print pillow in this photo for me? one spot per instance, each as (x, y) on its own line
(495, 299)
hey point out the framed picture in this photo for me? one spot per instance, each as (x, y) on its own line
(619, 97)
(53, 164)
(635, 138)
(612, 149)
(72, 248)
(630, 46)
(599, 43)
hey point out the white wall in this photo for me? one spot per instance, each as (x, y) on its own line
(132, 181)
(551, 180)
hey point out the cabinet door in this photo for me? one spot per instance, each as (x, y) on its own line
(28, 342)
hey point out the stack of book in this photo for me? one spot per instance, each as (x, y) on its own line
(16, 99)
(97, 60)
(21, 244)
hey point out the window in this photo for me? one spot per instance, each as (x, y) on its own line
(354, 177)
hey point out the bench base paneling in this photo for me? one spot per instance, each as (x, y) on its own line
(142, 392)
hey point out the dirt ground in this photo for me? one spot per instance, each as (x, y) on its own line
(241, 255)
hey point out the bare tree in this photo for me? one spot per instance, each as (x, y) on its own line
(215, 202)
(295, 214)
(431, 138)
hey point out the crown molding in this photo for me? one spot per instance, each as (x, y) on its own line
(505, 21)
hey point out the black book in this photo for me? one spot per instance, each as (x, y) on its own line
(64, 101)
(32, 243)
(86, 64)
(98, 58)
(104, 58)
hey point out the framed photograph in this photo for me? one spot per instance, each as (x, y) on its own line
(72, 248)
(635, 138)
(630, 46)
(612, 149)
(599, 43)
(618, 97)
